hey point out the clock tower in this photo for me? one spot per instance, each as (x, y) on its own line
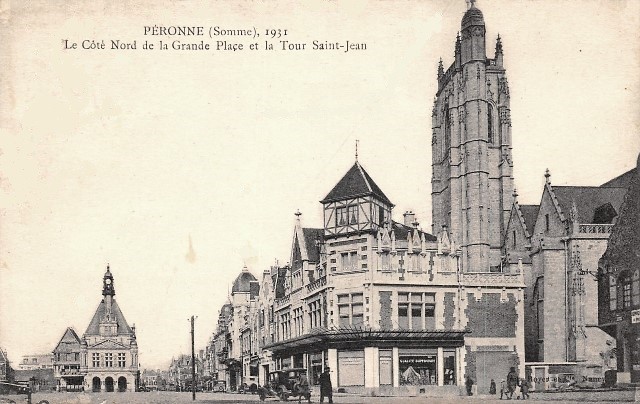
(108, 323)
(107, 284)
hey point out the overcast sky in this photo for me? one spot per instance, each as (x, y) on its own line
(177, 168)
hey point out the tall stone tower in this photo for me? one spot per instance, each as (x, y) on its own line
(472, 183)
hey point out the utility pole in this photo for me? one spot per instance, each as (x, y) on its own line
(193, 361)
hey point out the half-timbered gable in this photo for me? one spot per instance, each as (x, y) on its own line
(355, 205)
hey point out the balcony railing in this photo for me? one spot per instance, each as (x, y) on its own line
(492, 278)
(282, 301)
(317, 284)
(595, 228)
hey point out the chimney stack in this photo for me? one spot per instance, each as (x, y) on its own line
(409, 218)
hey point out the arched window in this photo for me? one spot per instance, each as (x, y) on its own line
(447, 131)
(490, 122)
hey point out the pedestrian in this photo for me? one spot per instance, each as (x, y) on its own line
(503, 388)
(469, 383)
(492, 387)
(512, 382)
(302, 388)
(326, 389)
(524, 388)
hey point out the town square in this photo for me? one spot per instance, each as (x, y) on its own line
(456, 219)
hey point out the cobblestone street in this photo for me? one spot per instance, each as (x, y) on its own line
(171, 397)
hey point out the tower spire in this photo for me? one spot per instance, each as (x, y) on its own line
(357, 149)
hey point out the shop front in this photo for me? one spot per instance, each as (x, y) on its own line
(379, 362)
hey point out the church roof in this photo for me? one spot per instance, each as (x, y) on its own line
(587, 200)
(623, 249)
(242, 284)
(529, 214)
(94, 326)
(356, 182)
(70, 342)
(621, 181)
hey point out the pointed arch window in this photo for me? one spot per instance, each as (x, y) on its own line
(447, 131)
(490, 122)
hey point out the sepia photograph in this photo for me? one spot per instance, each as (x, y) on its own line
(353, 201)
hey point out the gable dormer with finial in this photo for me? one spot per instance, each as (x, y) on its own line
(356, 204)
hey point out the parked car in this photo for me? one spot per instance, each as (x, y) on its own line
(220, 386)
(283, 384)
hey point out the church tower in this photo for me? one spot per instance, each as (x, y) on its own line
(472, 181)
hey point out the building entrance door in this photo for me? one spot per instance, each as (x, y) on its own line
(122, 384)
(108, 384)
(96, 385)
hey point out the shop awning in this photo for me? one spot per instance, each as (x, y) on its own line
(354, 337)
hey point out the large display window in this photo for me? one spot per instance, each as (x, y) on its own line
(418, 367)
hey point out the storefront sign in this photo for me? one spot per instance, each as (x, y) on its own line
(635, 316)
(418, 370)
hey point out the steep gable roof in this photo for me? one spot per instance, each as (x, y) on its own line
(94, 325)
(280, 282)
(587, 200)
(310, 239)
(356, 182)
(70, 342)
(621, 181)
(623, 249)
(529, 214)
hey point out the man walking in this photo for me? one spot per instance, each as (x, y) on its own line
(469, 384)
(326, 389)
(512, 382)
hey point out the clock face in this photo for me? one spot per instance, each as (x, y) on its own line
(108, 281)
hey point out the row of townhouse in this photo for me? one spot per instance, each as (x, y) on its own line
(180, 373)
(383, 304)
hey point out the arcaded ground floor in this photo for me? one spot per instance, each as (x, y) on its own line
(432, 363)
(173, 397)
